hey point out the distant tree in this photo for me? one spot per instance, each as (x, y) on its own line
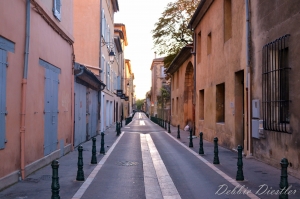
(139, 103)
(170, 33)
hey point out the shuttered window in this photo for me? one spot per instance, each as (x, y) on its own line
(57, 9)
(3, 65)
(119, 83)
(103, 24)
(108, 76)
(102, 68)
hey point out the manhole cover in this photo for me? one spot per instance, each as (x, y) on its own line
(32, 180)
(127, 163)
(46, 177)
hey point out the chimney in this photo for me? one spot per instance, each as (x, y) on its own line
(154, 54)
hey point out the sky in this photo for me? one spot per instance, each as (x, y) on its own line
(139, 17)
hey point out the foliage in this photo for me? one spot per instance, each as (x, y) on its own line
(139, 103)
(170, 33)
(165, 94)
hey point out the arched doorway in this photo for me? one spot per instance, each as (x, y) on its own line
(188, 95)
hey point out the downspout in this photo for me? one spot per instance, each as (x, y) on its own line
(194, 96)
(248, 82)
(100, 56)
(24, 88)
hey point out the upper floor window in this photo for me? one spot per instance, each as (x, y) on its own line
(162, 72)
(199, 48)
(227, 20)
(209, 43)
(57, 9)
(275, 88)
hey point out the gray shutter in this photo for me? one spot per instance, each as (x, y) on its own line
(57, 9)
(3, 65)
(107, 76)
(103, 23)
(102, 68)
(119, 83)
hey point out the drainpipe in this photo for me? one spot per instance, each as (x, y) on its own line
(248, 82)
(194, 96)
(24, 87)
(100, 56)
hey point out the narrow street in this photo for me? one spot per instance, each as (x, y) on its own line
(145, 161)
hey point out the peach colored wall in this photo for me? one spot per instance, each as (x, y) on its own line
(218, 67)
(16, 34)
(46, 44)
(178, 113)
(87, 32)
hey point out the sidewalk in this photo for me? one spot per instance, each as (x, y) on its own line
(256, 173)
(38, 184)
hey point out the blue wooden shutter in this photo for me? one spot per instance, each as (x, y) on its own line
(103, 23)
(57, 9)
(107, 76)
(102, 68)
(2, 97)
(119, 83)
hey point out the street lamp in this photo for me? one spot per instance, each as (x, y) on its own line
(111, 53)
(111, 56)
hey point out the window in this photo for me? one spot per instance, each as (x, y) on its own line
(172, 106)
(57, 9)
(5, 46)
(102, 68)
(107, 76)
(220, 103)
(201, 104)
(103, 24)
(177, 105)
(177, 79)
(275, 88)
(162, 73)
(3, 65)
(227, 20)
(208, 43)
(199, 48)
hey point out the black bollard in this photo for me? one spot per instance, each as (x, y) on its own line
(102, 149)
(121, 124)
(118, 126)
(178, 132)
(169, 130)
(216, 152)
(94, 157)
(191, 138)
(55, 180)
(165, 124)
(119, 129)
(284, 179)
(239, 174)
(80, 173)
(201, 151)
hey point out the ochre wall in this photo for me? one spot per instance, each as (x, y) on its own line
(226, 58)
(271, 21)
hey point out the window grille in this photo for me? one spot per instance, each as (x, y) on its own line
(275, 85)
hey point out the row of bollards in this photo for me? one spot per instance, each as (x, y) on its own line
(240, 175)
(55, 187)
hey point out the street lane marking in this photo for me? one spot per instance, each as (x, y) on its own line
(166, 183)
(224, 175)
(91, 177)
(142, 123)
(152, 188)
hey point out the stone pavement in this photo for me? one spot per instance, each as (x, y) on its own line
(38, 184)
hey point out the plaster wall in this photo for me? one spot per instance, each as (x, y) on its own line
(271, 20)
(45, 44)
(219, 66)
(179, 111)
